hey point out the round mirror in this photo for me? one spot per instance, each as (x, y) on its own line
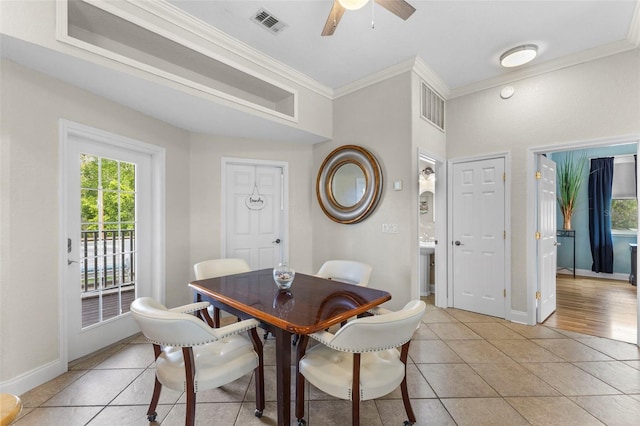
(349, 184)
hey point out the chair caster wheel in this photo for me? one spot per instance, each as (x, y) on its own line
(407, 423)
(301, 422)
(152, 417)
(258, 413)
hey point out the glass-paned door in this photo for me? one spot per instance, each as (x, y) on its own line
(107, 243)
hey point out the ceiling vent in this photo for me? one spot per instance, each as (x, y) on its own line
(432, 108)
(266, 20)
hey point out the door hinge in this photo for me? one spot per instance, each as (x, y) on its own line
(504, 235)
(538, 295)
(537, 235)
(538, 175)
(504, 292)
(504, 177)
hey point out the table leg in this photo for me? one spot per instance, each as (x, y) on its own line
(283, 375)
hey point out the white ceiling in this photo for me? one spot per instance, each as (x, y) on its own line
(460, 40)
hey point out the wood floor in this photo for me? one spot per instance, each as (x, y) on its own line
(604, 308)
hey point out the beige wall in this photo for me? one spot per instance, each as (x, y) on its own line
(31, 106)
(378, 119)
(206, 155)
(597, 99)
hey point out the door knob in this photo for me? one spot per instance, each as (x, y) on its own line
(458, 243)
(277, 241)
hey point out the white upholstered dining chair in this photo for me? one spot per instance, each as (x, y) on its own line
(348, 271)
(217, 268)
(361, 360)
(191, 356)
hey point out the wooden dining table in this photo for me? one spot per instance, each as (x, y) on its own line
(311, 304)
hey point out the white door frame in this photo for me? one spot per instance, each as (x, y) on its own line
(532, 200)
(440, 202)
(285, 198)
(66, 130)
(506, 156)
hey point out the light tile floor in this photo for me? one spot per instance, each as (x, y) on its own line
(465, 369)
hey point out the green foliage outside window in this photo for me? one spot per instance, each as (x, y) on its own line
(624, 214)
(116, 193)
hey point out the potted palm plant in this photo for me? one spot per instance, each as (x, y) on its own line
(570, 175)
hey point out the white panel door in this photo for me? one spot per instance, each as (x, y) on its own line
(547, 243)
(254, 211)
(478, 229)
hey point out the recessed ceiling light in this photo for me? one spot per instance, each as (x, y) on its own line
(518, 55)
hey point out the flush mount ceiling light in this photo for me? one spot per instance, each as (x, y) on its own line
(353, 4)
(519, 55)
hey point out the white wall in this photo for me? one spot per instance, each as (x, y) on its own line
(377, 118)
(205, 183)
(597, 99)
(31, 106)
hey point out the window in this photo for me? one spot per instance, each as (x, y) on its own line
(624, 203)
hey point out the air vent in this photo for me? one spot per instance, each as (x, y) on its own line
(266, 20)
(432, 108)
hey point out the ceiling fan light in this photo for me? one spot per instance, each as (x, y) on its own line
(353, 4)
(519, 55)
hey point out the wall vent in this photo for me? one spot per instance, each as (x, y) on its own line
(432, 106)
(266, 20)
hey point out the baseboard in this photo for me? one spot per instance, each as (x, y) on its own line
(34, 378)
(600, 275)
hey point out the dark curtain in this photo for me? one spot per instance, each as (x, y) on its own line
(600, 181)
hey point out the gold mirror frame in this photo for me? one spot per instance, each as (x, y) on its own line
(373, 184)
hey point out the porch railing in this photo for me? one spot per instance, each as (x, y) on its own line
(108, 259)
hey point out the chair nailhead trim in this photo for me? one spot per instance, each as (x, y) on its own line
(328, 344)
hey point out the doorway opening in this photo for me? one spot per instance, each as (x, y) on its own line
(427, 226)
(432, 229)
(595, 303)
(112, 235)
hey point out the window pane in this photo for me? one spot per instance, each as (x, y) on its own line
(110, 211)
(89, 206)
(624, 214)
(88, 171)
(127, 206)
(127, 177)
(109, 174)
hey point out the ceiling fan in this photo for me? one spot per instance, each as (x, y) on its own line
(400, 8)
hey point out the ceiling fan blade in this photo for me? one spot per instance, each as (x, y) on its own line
(400, 8)
(333, 19)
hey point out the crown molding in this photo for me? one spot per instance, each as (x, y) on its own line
(546, 67)
(374, 78)
(170, 13)
(431, 78)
